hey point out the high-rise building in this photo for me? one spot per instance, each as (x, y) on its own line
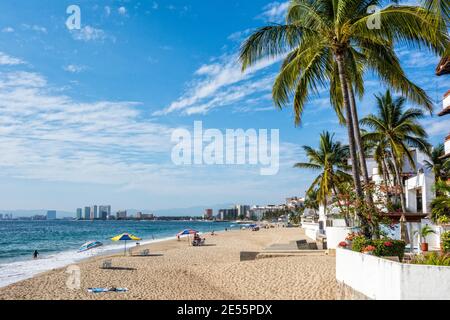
(87, 213)
(51, 215)
(104, 212)
(121, 215)
(228, 214)
(208, 214)
(243, 211)
(94, 212)
(79, 213)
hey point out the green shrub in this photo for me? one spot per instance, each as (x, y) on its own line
(433, 259)
(359, 243)
(383, 248)
(445, 238)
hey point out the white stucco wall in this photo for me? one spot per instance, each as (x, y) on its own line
(335, 235)
(446, 102)
(424, 181)
(311, 230)
(383, 279)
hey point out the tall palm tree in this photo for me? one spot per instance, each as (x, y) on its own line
(400, 129)
(329, 43)
(311, 200)
(381, 155)
(331, 160)
(436, 163)
(440, 206)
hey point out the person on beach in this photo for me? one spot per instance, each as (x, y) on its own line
(35, 254)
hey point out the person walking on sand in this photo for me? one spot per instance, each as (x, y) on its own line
(35, 254)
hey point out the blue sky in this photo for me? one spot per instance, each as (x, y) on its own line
(86, 115)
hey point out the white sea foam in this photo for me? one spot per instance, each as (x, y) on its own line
(20, 270)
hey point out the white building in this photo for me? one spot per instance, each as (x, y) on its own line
(444, 69)
(295, 202)
(104, 212)
(418, 183)
(259, 212)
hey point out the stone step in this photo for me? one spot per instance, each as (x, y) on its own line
(283, 254)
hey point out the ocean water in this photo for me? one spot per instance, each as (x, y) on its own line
(58, 241)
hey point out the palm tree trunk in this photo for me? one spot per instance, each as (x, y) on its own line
(386, 181)
(351, 140)
(358, 141)
(400, 185)
(347, 220)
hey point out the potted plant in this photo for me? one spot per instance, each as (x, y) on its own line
(424, 233)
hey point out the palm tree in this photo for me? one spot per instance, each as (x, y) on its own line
(436, 163)
(328, 42)
(401, 131)
(382, 155)
(311, 200)
(441, 7)
(331, 160)
(440, 206)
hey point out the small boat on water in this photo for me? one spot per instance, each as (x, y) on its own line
(90, 245)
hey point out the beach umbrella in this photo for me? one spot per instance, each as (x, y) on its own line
(404, 230)
(187, 232)
(90, 245)
(126, 237)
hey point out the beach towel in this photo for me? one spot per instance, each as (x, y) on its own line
(104, 290)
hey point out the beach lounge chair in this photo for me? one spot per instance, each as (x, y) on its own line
(145, 253)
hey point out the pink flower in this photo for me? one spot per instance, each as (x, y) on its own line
(388, 244)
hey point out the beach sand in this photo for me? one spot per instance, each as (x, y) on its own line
(178, 271)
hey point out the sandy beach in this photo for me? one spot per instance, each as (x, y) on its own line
(178, 271)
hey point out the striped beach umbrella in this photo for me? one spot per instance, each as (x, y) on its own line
(126, 237)
(187, 232)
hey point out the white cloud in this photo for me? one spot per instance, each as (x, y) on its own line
(74, 68)
(8, 60)
(89, 33)
(437, 126)
(275, 11)
(219, 84)
(239, 36)
(53, 137)
(8, 30)
(122, 11)
(107, 11)
(35, 27)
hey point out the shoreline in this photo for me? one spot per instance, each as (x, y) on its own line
(174, 270)
(56, 261)
(13, 270)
